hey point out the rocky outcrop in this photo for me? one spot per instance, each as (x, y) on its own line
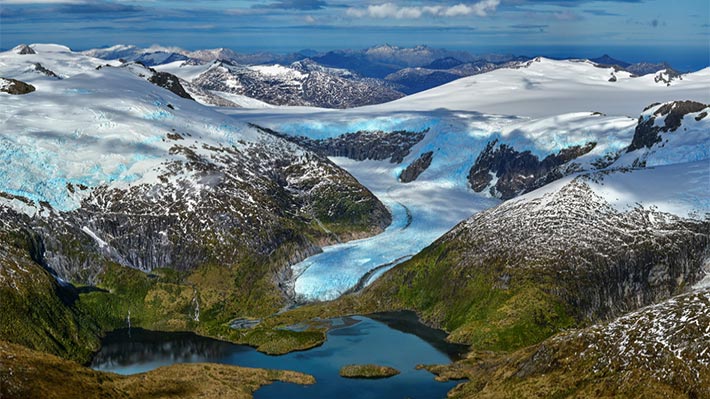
(661, 344)
(644, 68)
(667, 76)
(416, 168)
(12, 86)
(24, 49)
(518, 172)
(648, 131)
(44, 71)
(170, 82)
(362, 145)
(128, 226)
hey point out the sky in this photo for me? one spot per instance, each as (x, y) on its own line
(676, 31)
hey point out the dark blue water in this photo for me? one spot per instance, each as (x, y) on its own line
(395, 340)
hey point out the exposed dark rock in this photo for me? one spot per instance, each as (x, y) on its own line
(13, 86)
(41, 69)
(416, 168)
(644, 68)
(518, 172)
(667, 76)
(24, 49)
(648, 133)
(260, 202)
(360, 145)
(170, 82)
(608, 61)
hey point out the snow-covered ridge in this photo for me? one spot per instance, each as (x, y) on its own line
(670, 133)
(116, 131)
(297, 84)
(547, 87)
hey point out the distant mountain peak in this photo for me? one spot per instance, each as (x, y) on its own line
(23, 49)
(606, 59)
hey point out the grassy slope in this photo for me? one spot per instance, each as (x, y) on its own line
(25, 373)
(657, 352)
(36, 311)
(471, 304)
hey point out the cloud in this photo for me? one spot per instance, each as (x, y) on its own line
(602, 13)
(569, 3)
(97, 7)
(528, 26)
(43, 1)
(305, 5)
(566, 16)
(392, 10)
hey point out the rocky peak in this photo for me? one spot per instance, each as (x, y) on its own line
(516, 172)
(170, 82)
(416, 168)
(361, 145)
(23, 49)
(12, 86)
(648, 129)
(41, 69)
(667, 76)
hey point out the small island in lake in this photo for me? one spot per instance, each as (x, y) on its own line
(367, 371)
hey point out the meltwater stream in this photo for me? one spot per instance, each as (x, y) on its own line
(391, 339)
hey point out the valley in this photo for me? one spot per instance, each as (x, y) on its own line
(558, 233)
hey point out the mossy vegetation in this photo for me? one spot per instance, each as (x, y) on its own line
(476, 306)
(25, 373)
(369, 371)
(36, 311)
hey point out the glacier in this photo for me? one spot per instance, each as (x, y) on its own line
(460, 119)
(428, 207)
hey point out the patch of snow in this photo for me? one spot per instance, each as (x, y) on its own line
(102, 243)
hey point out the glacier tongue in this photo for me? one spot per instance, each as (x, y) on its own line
(421, 212)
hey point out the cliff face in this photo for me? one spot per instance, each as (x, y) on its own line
(649, 129)
(518, 172)
(362, 145)
(416, 168)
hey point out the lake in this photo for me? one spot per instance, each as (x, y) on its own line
(394, 339)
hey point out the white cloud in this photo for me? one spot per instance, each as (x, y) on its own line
(391, 10)
(43, 1)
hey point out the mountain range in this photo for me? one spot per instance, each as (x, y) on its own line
(550, 215)
(370, 76)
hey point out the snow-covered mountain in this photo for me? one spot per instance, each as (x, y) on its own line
(551, 130)
(384, 71)
(544, 87)
(143, 177)
(301, 83)
(511, 205)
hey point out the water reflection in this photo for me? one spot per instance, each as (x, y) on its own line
(396, 341)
